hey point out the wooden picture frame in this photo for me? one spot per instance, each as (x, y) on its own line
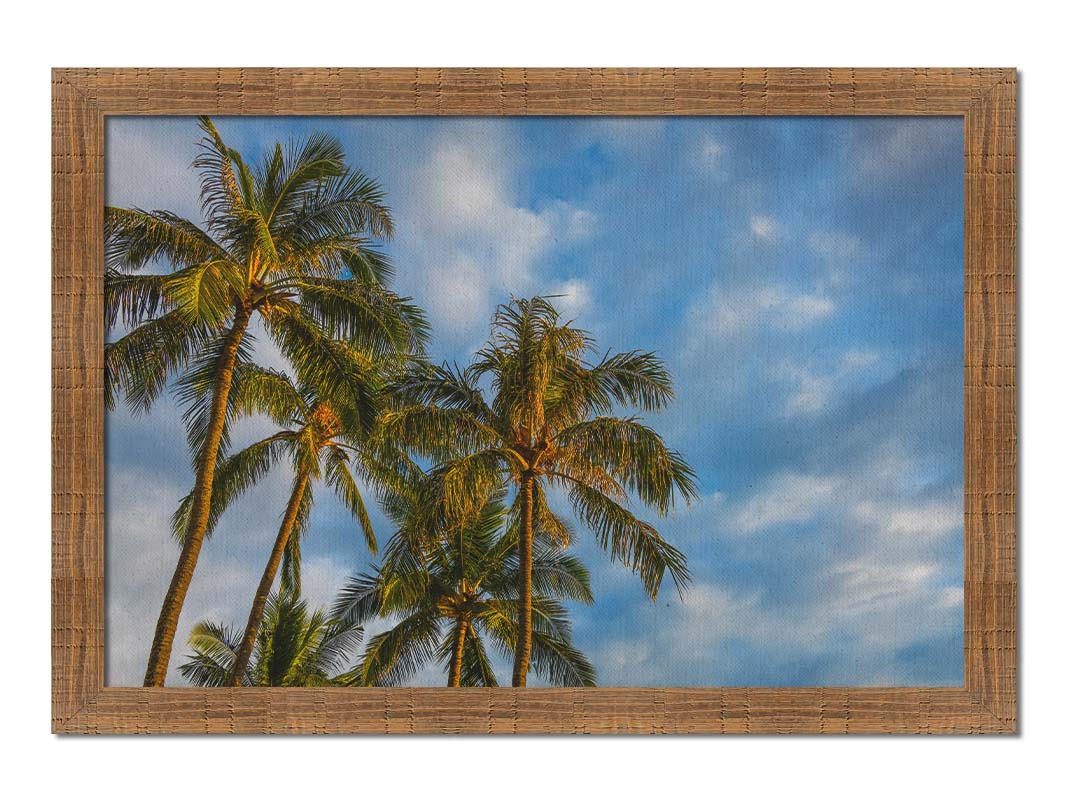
(985, 98)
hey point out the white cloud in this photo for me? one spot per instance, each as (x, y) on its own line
(809, 392)
(876, 500)
(743, 309)
(679, 634)
(857, 358)
(797, 312)
(851, 631)
(321, 578)
(925, 519)
(868, 584)
(805, 391)
(626, 655)
(141, 554)
(710, 154)
(763, 227)
(575, 223)
(843, 255)
(470, 241)
(951, 597)
(787, 498)
(878, 588)
(573, 298)
(459, 296)
(140, 559)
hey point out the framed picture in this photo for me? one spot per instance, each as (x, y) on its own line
(534, 401)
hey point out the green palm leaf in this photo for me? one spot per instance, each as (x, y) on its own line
(233, 477)
(134, 238)
(130, 298)
(139, 364)
(299, 222)
(396, 655)
(548, 423)
(340, 479)
(630, 541)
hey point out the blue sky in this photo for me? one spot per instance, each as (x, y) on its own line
(801, 277)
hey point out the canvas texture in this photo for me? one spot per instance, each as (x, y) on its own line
(798, 284)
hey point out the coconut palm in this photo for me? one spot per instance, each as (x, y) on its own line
(548, 425)
(293, 648)
(458, 589)
(322, 441)
(288, 243)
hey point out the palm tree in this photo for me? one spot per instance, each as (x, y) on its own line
(455, 591)
(322, 441)
(293, 648)
(288, 242)
(548, 425)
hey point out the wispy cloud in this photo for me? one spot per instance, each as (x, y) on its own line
(573, 298)
(710, 155)
(746, 308)
(467, 235)
(786, 498)
(763, 227)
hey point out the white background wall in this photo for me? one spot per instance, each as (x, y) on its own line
(544, 33)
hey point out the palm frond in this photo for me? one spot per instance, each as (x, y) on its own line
(233, 477)
(548, 526)
(221, 202)
(195, 392)
(293, 175)
(292, 558)
(394, 656)
(628, 540)
(635, 378)
(338, 646)
(132, 298)
(435, 432)
(366, 314)
(444, 386)
(553, 657)
(557, 574)
(635, 455)
(339, 478)
(139, 364)
(348, 202)
(359, 600)
(205, 292)
(134, 238)
(559, 662)
(214, 652)
(258, 390)
(476, 669)
(337, 371)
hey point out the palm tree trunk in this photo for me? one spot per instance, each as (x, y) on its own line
(159, 655)
(259, 602)
(525, 638)
(457, 653)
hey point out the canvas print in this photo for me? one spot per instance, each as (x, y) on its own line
(544, 401)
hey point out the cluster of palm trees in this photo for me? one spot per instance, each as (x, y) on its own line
(468, 464)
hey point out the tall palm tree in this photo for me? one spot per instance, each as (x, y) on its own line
(293, 648)
(288, 242)
(548, 424)
(458, 589)
(323, 441)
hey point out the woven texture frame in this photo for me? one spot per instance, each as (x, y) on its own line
(985, 98)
